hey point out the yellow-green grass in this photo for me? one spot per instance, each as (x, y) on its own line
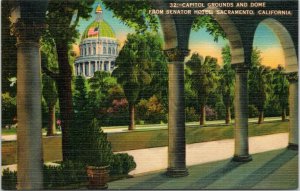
(158, 138)
(13, 131)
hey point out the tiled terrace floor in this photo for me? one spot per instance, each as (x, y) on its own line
(269, 170)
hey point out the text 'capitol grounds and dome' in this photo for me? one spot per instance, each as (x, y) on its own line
(225, 8)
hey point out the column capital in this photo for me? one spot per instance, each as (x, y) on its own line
(292, 77)
(240, 68)
(27, 31)
(176, 54)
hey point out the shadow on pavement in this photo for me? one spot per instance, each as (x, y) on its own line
(269, 168)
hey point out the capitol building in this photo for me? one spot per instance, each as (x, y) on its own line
(98, 48)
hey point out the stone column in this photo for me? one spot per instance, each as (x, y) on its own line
(83, 68)
(29, 98)
(293, 104)
(102, 66)
(109, 66)
(176, 124)
(241, 146)
(89, 73)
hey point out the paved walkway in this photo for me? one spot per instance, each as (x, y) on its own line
(154, 159)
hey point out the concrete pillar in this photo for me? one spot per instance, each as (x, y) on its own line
(241, 146)
(293, 104)
(176, 124)
(29, 98)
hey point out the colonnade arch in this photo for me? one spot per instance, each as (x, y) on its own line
(240, 36)
(291, 70)
(176, 30)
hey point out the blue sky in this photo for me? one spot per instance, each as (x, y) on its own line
(201, 41)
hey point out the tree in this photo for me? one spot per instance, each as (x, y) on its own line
(281, 90)
(62, 32)
(50, 96)
(8, 51)
(259, 84)
(9, 108)
(203, 79)
(227, 82)
(134, 65)
(100, 84)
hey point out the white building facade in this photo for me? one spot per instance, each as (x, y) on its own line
(98, 48)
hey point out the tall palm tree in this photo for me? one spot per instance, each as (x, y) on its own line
(259, 84)
(133, 70)
(281, 90)
(203, 79)
(227, 82)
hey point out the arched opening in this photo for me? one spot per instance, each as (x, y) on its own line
(287, 44)
(284, 89)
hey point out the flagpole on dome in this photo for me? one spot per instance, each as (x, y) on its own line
(99, 19)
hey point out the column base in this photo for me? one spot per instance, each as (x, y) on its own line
(246, 158)
(174, 173)
(292, 146)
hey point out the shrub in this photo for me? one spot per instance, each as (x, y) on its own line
(122, 164)
(54, 176)
(151, 111)
(65, 174)
(9, 180)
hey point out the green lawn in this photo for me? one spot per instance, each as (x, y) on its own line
(157, 138)
(12, 131)
(141, 139)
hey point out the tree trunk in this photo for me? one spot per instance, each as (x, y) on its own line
(228, 115)
(261, 117)
(131, 117)
(51, 121)
(65, 98)
(283, 114)
(202, 115)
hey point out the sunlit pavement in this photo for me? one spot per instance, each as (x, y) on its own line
(153, 159)
(269, 170)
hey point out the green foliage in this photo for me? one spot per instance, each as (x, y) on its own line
(260, 79)
(81, 100)
(49, 90)
(141, 20)
(280, 87)
(9, 108)
(191, 115)
(8, 51)
(65, 174)
(211, 26)
(53, 176)
(252, 111)
(151, 110)
(97, 150)
(227, 75)
(63, 17)
(203, 76)
(134, 64)
(122, 163)
(9, 180)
